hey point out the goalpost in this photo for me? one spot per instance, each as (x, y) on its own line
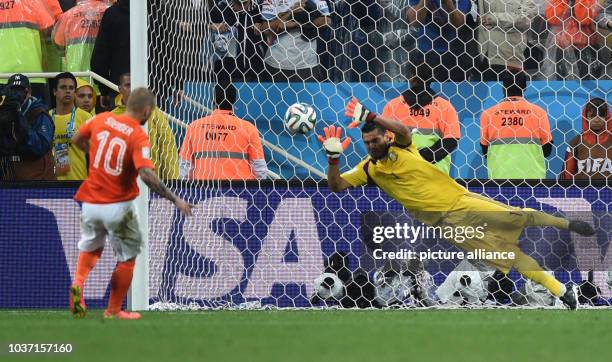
(138, 295)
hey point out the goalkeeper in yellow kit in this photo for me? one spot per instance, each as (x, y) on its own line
(396, 167)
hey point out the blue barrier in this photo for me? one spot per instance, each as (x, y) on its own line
(266, 103)
(249, 243)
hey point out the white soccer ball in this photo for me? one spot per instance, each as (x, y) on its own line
(328, 285)
(300, 118)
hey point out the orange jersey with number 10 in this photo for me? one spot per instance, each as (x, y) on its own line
(118, 148)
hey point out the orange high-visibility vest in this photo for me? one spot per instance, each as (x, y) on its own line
(221, 146)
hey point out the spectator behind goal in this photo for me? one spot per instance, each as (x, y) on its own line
(502, 35)
(436, 24)
(291, 28)
(70, 161)
(515, 134)
(237, 46)
(26, 134)
(85, 97)
(110, 57)
(163, 145)
(589, 155)
(573, 45)
(222, 146)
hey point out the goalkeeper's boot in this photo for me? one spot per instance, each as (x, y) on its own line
(77, 302)
(581, 227)
(122, 314)
(570, 298)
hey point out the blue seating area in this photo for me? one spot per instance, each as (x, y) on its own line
(266, 103)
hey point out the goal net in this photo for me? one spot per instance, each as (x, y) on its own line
(288, 241)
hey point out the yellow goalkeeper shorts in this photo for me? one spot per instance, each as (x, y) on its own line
(502, 226)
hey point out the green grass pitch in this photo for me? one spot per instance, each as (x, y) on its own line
(331, 335)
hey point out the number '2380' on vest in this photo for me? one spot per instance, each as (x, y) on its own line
(514, 131)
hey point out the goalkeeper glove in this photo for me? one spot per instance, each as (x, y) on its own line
(358, 113)
(332, 144)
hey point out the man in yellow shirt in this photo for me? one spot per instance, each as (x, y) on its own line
(435, 199)
(70, 161)
(164, 152)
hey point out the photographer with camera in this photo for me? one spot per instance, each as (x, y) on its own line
(26, 134)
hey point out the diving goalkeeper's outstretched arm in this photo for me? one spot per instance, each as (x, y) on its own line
(360, 115)
(334, 147)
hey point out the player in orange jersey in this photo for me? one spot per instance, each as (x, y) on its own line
(119, 152)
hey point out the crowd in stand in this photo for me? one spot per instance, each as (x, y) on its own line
(377, 40)
(419, 41)
(366, 40)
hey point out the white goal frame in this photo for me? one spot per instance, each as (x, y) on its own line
(138, 295)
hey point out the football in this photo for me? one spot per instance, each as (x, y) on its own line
(300, 118)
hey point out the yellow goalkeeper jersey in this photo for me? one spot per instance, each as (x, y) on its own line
(408, 178)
